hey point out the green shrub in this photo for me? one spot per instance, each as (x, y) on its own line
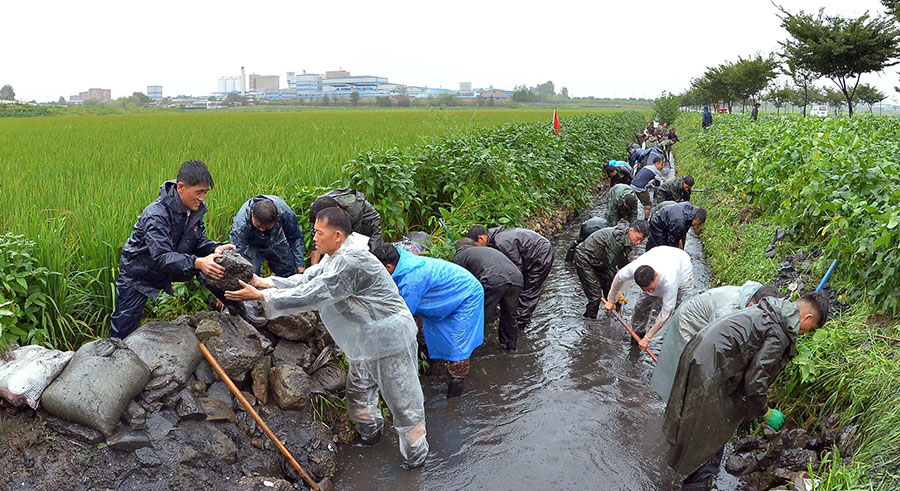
(22, 297)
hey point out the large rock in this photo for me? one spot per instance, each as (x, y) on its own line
(741, 464)
(292, 353)
(236, 268)
(296, 327)
(797, 459)
(290, 386)
(235, 345)
(204, 442)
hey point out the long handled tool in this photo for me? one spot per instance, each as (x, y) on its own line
(827, 275)
(262, 424)
(618, 317)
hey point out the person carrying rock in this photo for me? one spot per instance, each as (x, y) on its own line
(532, 254)
(364, 217)
(168, 243)
(618, 172)
(600, 256)
(621, 204)
(723, 376)
(644, 180)
(368, 319)
(502, 282)
(670, 224)
(666, 276)
(266, 229)
(450, 302)
(677, 189)
(693, 316)
(588, 227)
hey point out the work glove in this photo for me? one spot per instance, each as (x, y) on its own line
(774, 418)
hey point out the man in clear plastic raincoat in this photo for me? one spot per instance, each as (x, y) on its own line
(365, 315)
(450, 301)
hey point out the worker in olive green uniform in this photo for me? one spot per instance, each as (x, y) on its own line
(600, 256)
(621, 205)
(677, 190)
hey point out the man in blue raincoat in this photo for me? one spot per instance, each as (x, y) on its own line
(450, 301)
(266, 229)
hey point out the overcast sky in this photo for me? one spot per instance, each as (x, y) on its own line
(599, 48)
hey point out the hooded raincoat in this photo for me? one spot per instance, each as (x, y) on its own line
(364, 218)
(615, 205)
(283, 244)
(449, 300)
(624, 172)
(723, 376)
(707, 117)
(533, 254)
(588, 227)
(690, 318)
(598, 258)
(669, 226)
(368, 319)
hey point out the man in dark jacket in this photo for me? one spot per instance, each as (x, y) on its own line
(168, 243)
(502, 282)
(707, 117)
(530, 252)
(635, 156)
(754, 115)
(618, 172)
(600, 256)
(723, 376)
(588, 227)
(669, 226)
(363, 216)
(677, 189)
(621, 204)
(266, 229)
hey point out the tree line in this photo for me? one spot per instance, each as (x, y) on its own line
(820, 46)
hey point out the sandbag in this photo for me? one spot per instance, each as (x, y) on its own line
(167, 348)
(97, 385)
(329, 379)
(25, 372)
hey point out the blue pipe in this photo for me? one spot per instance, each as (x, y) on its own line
(827, 275)
(449, 235)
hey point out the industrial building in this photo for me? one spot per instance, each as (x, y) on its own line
(263, 83)
(154, 92)
(101, 95)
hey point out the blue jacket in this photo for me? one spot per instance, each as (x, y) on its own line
(644, 176)
(637, 156)
(246, 237)
(624, 165)
(449, 300)
(164, 243)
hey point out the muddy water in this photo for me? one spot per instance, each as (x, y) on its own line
(572, 409)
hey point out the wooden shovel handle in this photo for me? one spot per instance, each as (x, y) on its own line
(262, 424)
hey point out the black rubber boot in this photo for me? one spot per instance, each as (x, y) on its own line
(455, 387)
(370, 442)
(591, 310)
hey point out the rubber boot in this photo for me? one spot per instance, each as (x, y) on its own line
(370, 442)
(455, 387)
(591, 310)
(570, 254)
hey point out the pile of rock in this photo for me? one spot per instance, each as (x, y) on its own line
(784, 456)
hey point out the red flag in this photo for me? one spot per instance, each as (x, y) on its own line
(556, 125)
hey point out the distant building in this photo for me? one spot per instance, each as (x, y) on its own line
(101, 95)
(465, 89)
(307, 85)
(154, 92)
(337, 74)
(263, 83)
(495, 93)
(230, 85)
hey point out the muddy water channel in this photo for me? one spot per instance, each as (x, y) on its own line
(572, 409)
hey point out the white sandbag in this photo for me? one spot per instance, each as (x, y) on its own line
(98, 383)
(25, 372)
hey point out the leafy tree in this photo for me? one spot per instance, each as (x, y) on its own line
(325, 100)
(524, 94)
(235, 99)
(545, 89)
(803, 79)
(565, 92)
(140, 98)
(354, 98)
(751, 76)
(834, 98)
(491, 101)
(404, 101)
(892, 7)
(841, 49)
(383, 101)
(62, 100)
(7, 93)
(666, 108)
(869, 95)
(779, 96)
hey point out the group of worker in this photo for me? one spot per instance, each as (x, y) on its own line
(722, 348)
(367, 292)
(721, 352)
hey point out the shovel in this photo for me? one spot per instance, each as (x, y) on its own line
(325, 484)
(619, 318)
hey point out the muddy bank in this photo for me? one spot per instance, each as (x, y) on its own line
(193, 434)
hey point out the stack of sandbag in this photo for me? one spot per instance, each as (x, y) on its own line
(97, 385)
(25, 372)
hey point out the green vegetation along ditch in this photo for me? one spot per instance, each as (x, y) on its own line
(80, 183)
(833, 185)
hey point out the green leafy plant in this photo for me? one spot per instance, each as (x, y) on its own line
(22, 293)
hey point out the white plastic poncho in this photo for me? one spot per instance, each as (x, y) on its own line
(356, 298)
(691, 317)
